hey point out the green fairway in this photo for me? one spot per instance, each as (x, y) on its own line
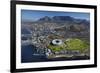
(57, 47)
(71, 44)
(76, 44)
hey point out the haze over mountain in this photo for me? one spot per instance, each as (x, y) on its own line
(59, 19)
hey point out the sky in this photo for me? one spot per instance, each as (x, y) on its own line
(33, 15)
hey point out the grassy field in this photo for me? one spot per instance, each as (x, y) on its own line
(71, 44)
